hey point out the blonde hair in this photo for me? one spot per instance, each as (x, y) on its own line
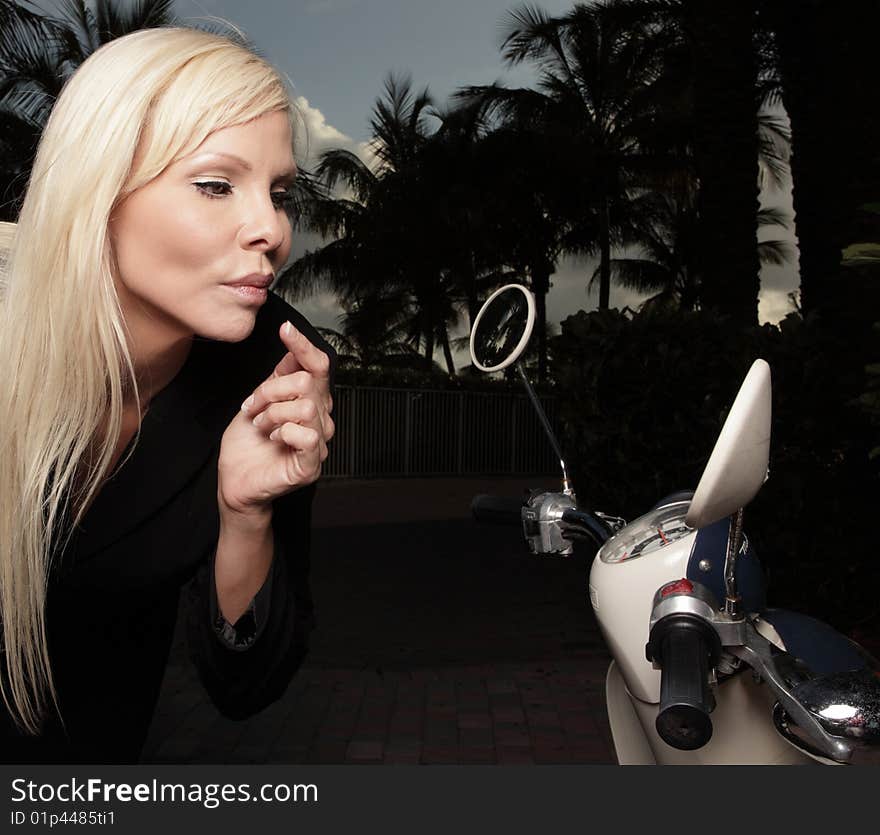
(136, 105)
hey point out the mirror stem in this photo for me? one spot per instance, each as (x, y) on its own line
(566, 484)
(734, 543)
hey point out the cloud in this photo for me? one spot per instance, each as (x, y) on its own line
(320, 135)
(774, 305)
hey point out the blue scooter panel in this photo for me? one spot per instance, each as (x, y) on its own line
(710, 548)
(820, 646)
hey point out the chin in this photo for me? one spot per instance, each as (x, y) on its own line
(231, 328)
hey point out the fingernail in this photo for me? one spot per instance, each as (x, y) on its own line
(247, 404)
(259, 418)
(274, 434)
(288, 328)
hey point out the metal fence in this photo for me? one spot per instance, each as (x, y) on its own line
(402, 432)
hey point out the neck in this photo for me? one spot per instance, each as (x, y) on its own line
(159, 349)
(155, 369)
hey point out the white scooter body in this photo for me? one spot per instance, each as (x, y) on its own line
(622, 593)
(743, 730)
(680, 586)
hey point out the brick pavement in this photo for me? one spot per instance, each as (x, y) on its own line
(504, 714)
(438, 641)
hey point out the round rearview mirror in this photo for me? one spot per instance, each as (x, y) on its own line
(502, 328)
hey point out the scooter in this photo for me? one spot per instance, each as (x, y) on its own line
(703, 672)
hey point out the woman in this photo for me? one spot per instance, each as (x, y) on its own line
(135, 320)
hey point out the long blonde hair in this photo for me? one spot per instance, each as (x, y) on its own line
(65, 365)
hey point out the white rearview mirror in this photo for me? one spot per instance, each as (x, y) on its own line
(738, 465)
(502, 328)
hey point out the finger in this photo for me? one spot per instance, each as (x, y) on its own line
(305, 462)
(287, 365)
(303, 355)
(329, 428)
(289, 387)
(303, 412)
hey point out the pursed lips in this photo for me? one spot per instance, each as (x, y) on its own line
(254, 280)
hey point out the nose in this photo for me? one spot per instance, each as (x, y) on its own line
(265, 229)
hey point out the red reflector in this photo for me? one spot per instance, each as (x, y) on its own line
(678, 587)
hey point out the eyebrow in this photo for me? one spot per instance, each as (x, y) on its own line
(287, 174)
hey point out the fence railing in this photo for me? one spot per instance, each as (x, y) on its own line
(403, 432)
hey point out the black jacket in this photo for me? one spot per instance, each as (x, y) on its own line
(153, 528)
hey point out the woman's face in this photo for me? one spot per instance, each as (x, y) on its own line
(206, 222)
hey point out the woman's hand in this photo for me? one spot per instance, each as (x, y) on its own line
(278, 441)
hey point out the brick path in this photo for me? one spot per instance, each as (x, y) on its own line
(438, 641)
(491, 714)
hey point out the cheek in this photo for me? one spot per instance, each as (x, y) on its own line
(155, 243)
(186, 238)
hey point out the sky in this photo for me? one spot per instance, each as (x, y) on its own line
(337, 54)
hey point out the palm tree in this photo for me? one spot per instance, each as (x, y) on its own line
(38, 53)
(713, 91)
(383, 225)
(454, 166)
(826, 57)
(665, 224)
(592, 108)
(665, 236)
(721, 37)
(533, 206)
(373, 333)
(31, 76)
(88, 26)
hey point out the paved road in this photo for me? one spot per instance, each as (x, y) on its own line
(438, 641)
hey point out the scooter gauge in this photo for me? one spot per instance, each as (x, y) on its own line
(648, 533)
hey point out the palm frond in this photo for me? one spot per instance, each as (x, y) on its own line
(776, 253)
(534, 35)
(398, 121)
(77, 18)
(338, 341)
(518, 107)
(641, 275)
(104, 20)
(773, 216)
(31, 61)
(339, 165)
(774, 149)
(327, 268)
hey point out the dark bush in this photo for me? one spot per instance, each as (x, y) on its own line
(646, 396)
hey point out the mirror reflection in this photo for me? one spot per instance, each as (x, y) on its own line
(501, 328)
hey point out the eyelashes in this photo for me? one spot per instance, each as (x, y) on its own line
(213, 188)
(216, 189)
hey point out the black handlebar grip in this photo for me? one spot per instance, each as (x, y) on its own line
(684, 646)
(499, 510)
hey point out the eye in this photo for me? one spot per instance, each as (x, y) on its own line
(282, 199)
(213, 188)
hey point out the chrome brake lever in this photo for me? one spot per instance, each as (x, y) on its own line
(759, 654)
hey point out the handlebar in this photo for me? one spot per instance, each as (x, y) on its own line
(590, 524)
(684, 646)
(498, 510)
